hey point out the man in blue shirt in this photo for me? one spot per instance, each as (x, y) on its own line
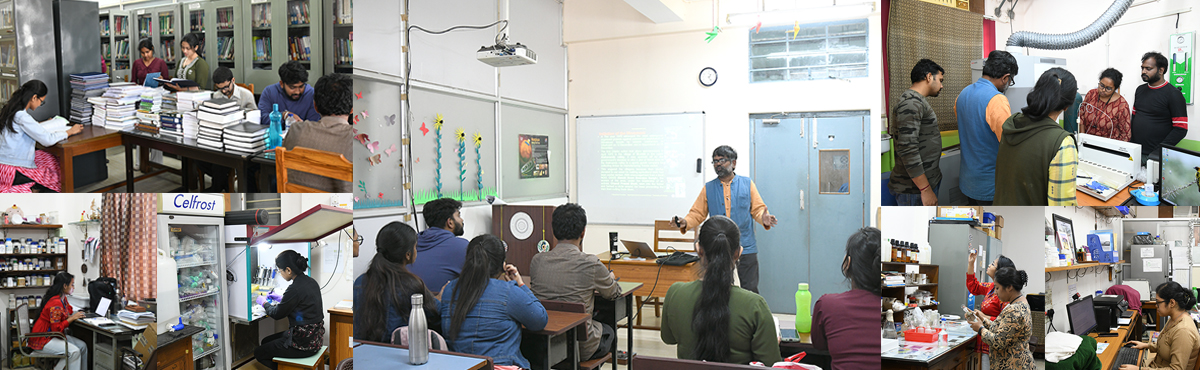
(292, 93)
(441, 249)
(982, 109)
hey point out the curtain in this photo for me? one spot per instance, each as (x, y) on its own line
(129, 236)
(950, 37)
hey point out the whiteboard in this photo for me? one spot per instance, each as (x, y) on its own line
(636, 169)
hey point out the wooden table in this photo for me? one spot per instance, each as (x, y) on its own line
(1114, 343)
(188, 150)
(1122, 198)
(92, 139)
(174, 350)
(558, 323)
(658, 277)
(341, 333)
(621, 308)
(373, 355)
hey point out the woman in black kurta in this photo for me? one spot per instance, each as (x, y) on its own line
(301, 305)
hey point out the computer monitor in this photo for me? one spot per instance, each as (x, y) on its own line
(1179, 176)
(1081, 316)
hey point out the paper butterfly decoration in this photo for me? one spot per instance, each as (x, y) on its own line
(355, 199)
(712, 34)
(391, 150)
(359, 94)
(391, 119)
(375, 159)
(423, 129)
(362, 138)
(373, 146)
(380, 195)
(364, 114)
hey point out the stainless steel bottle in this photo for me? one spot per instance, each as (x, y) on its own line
(418, 332)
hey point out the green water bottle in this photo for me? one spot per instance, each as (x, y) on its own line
(803, 312)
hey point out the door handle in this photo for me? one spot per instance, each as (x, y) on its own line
(802, 200)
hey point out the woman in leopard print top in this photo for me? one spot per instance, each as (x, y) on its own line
(1008, 336)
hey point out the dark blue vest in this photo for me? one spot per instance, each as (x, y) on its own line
(739, 211)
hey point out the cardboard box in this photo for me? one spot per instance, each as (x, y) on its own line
(146, 342)
(961, 212)
(999, 221)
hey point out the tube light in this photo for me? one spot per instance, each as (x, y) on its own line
(806, 15)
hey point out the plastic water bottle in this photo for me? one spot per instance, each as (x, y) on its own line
(803, 312)
(275, 133)
(418, 333)
(970, 300)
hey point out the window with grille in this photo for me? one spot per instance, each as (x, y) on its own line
(817, 51)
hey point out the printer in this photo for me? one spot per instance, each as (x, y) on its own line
(1106, 166)
(1108, 308)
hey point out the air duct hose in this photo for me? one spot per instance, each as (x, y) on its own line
(1075, 39)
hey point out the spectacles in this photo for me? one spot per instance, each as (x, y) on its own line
(1106, 88)
(721, 160)
(1011, 81)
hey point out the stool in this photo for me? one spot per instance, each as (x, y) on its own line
(314, 362)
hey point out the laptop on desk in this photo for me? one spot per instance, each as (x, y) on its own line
(101, 309)
(641, 250)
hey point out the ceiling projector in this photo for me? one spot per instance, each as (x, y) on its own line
(504, 55)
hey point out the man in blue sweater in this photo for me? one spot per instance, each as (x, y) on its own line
(292, 93)
(982, 109)
(440, 248)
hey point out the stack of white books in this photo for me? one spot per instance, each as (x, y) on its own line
(187, 103)
(121, 111)
(215, 115)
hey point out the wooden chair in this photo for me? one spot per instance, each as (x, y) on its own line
(661, 226)
(581, 334)
(246, 86)
(317, 162)
(314, 362)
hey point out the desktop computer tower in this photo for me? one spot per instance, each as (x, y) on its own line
(1104, 320)
(1037, 308)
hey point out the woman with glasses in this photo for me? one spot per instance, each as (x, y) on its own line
(1104, 111)
(23, 168)
(192, 67)
(1177, 344)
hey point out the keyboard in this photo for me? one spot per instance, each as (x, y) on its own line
(1126, 356)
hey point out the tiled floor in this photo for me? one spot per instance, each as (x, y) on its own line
(163, 183)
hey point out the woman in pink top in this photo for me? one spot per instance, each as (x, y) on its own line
(847, 324)
(148, 63)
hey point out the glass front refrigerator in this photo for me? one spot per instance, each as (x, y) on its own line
(196, 244)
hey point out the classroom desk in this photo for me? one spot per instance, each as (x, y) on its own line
(1114, 343)
(189, 150)
(658, 277)
(1123, 198)
(917, 355)
(373, 355)
(104, 342)
(558, 324)
(662, 363)
(617, 309)
(814, 356)
(341, 334)
(92, 139)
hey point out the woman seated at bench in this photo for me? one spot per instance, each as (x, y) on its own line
(711, 319)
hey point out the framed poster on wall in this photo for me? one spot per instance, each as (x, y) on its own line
(535, 156)
(1064, 237)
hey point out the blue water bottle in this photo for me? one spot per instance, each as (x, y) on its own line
(971, 301)
(275, 133)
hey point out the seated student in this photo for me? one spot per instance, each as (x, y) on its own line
(56, 316)
(334, 99)
(712, 320)
(383, 294)
(441, 245)
(567, 274)
(23, 168)
(843, 323)
(225, 86)
(302, 306)
(1179, 340)
(484, 309)
(292, 93)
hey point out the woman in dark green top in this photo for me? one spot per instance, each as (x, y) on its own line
(192, 67)
(712, 320)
